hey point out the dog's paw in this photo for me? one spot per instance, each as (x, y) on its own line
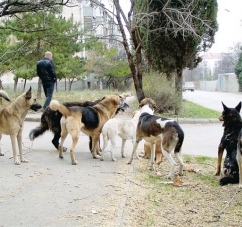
(217, 173)
(114, 159)
(96, 156)
(240, 185)
(17, 162)
(24, 160)
(129, 162)
(1, 154)
(74, 162)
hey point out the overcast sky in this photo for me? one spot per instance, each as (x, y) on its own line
(229, 18)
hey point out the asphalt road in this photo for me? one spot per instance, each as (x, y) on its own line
(49, 191)
(212, 100)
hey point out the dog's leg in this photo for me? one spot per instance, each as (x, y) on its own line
(64, 134)
(178, 156)
(152, 156)
(1, 153)
(19, 140)
(122, 148)
(74, 142)
(220, 156)
(134, 150)
(239, 160)
(105, 143)
(95, 140)
(15, 155)
(171, 161)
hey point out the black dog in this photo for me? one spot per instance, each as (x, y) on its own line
(232, 126)
(50, 120)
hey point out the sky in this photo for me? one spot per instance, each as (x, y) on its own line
(229, 18)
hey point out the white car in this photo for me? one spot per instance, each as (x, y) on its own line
(188, 86)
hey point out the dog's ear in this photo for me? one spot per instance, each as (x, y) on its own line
(238, 107)
(153, 104)
(225, 107)
(28, 94)
(142, 102)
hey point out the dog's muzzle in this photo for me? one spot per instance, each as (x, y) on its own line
(35, 106)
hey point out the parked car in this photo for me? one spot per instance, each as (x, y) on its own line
(188, 86)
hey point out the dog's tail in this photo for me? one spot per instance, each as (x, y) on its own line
(38, 131)
(56, 105)
(180, 138)
(4, 95)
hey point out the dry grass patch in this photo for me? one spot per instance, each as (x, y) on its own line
(198, 202)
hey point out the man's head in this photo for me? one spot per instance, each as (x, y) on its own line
(48, 55)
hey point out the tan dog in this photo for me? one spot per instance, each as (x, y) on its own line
(158, 152)
(152, 128)
(89, 120)
(12, 122)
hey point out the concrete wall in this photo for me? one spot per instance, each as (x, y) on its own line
(226, 82)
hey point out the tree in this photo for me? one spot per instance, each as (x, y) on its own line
(11, 8)
(169, 50)
(238, 70)
(105, 64)
(59, 35)
(178, 20)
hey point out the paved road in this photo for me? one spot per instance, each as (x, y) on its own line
(212, 100)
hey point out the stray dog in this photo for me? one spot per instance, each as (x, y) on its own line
(232, 124)
(89, 120)
(239, 157)
(126, 129)
(152, 128)
(158, 152)
(12, 122)
(50, 120)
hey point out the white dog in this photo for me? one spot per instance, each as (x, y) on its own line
(126, 129)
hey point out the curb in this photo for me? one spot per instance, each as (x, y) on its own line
(37, 117)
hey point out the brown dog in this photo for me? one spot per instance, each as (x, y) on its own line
(158, 152)
(12, 122)
(89, 120)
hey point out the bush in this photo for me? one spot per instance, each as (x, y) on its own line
(162, 91)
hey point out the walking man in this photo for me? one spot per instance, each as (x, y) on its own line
(46, 72)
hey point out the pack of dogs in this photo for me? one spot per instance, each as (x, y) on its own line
(162, 137)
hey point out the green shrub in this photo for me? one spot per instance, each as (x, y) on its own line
(162, 91)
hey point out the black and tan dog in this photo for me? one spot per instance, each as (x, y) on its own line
(152, 128)
(232, 124)
(50, 120)
(89, 120)
(12, 121)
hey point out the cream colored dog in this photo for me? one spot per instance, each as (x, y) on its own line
(125, 129)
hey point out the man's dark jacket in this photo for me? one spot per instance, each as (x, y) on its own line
(46, 71)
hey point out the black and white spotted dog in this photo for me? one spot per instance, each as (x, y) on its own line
(152, 128)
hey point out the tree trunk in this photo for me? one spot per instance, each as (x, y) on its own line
(135, 67)
(178, 86)
(39, 89)
(15, 85)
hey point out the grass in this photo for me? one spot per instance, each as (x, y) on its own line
(190, 110)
